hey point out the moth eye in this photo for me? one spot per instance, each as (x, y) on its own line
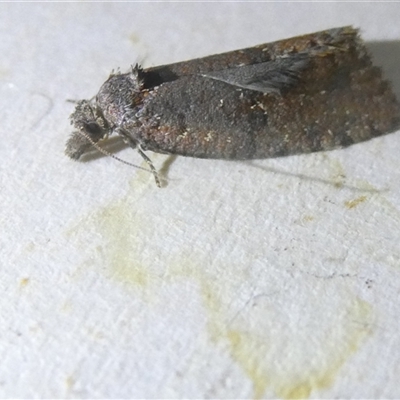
(92, 128)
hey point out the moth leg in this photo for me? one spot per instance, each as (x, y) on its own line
(150, 164)
(134, 145)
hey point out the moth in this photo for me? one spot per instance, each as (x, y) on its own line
(310, 93)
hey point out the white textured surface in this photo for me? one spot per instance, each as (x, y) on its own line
(276, 278)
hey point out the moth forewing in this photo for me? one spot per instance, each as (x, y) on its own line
(309, 93)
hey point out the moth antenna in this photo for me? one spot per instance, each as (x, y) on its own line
(107, 153)
(79, 101)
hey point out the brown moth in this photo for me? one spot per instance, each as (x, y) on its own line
(310, 93)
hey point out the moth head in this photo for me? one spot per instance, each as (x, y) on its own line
(95, 120)
(90, 127)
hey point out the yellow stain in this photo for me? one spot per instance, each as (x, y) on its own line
(337, 172)
(249, 347)
(120, 249)
(69, 382)
(355, 202)
(359, 312)
(134, 38)
(252, 350)
(248, 352)
(23, 282)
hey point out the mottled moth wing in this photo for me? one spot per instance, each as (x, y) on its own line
(304, 94)
(266, 77)
(321, 42)
(309, 93)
